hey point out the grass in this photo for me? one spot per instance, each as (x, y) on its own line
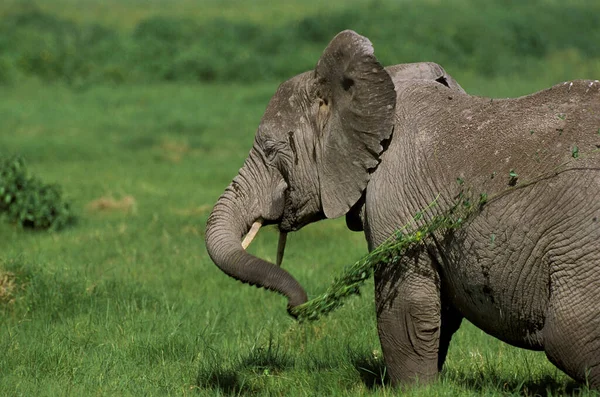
(128, 302)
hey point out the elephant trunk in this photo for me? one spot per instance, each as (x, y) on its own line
(228, 222)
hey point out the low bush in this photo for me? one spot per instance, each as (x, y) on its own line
(26, 201)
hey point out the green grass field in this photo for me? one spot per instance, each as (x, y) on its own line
(127, 301)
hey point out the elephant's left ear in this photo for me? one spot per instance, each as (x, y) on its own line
(357, 101)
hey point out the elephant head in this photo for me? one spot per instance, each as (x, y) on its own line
(319, 140)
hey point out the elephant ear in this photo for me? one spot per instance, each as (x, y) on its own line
(357, 101)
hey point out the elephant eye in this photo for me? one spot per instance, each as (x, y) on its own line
(270, 151)
(279, 153)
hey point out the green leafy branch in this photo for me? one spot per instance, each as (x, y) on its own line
(404, 239)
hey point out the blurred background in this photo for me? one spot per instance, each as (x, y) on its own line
(81, 42)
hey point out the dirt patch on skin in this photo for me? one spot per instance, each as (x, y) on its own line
(8, 288)
(108, 204)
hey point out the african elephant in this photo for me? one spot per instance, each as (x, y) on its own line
(352, 138)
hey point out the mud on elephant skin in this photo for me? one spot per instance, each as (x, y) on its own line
(378, 145)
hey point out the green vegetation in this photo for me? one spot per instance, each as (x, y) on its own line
(26, 201)
(127, 302)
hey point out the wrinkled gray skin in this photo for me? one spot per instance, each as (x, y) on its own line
(378, 145)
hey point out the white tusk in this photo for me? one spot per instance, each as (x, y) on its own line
(251, 234)
(281, 247)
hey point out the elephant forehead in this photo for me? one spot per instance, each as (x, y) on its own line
(289, 108)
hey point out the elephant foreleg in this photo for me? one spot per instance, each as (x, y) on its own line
(409, 319)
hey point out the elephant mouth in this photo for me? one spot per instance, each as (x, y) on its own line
(293, 219)
(289, 222)
(247, 240)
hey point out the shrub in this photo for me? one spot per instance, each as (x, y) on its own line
(26, 201)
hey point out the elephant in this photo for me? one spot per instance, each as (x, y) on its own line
(378, 145)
